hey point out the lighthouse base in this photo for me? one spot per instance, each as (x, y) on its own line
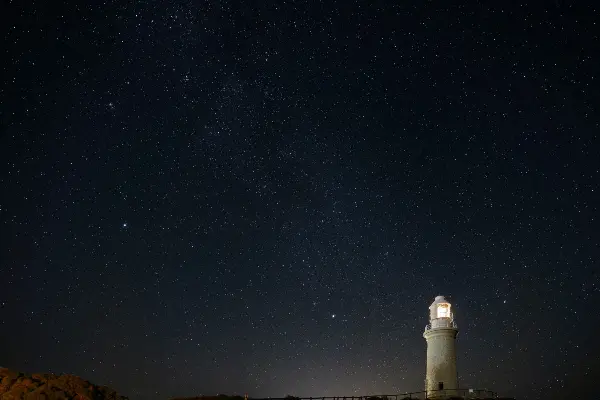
(442, 394)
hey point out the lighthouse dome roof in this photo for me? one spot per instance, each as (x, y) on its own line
(438, 300)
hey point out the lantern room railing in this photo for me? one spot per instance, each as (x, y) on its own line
(448, 324)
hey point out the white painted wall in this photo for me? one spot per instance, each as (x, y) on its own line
(441, 353)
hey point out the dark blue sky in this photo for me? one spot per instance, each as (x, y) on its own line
(252, 197)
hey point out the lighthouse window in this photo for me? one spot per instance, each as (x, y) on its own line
(443, 311)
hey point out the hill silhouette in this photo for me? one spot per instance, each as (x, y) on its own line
(16, 385)
(20, 386)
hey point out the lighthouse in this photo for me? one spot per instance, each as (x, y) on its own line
(441, 379)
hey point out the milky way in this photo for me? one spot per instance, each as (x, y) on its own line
(233, 197)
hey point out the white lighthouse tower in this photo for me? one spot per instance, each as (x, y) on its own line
(441, 380)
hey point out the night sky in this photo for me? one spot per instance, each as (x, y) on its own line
(201, 197)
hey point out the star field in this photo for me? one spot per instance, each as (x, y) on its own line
(237, 197)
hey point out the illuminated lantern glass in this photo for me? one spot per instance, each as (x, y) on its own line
(443, 310)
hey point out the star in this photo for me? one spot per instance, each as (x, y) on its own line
(359, 158)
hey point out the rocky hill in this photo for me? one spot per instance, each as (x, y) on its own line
(15, 385)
